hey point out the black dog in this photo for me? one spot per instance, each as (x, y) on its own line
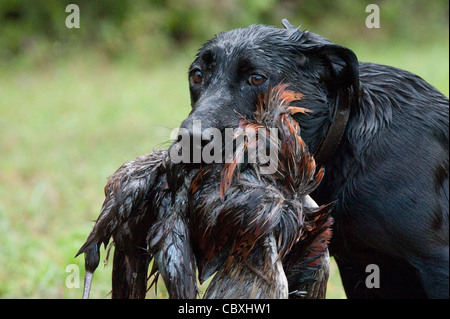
(381, 133)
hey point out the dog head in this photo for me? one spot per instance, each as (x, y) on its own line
(231, 70)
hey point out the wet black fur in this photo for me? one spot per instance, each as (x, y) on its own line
(389, 174)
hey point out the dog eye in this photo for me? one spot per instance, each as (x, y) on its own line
(197, 77)
(256, 79)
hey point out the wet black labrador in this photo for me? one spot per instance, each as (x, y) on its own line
(381, 133)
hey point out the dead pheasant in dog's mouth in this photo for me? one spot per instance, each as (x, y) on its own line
(260, 232)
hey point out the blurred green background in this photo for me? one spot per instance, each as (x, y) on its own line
(77, 103)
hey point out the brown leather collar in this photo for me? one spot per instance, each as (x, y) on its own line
(329, 144)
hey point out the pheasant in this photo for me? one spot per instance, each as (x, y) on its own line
(259, 233)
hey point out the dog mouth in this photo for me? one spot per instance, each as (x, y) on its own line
(243, 145)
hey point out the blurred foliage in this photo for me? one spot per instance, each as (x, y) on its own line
(149, 30)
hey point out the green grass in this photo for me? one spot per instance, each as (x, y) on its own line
(65, 127)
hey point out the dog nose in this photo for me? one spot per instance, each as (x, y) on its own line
(198, 130)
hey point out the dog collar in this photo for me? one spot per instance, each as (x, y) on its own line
(329, 144)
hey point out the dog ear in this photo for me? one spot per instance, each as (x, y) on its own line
(337, 65)
(344, 67)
